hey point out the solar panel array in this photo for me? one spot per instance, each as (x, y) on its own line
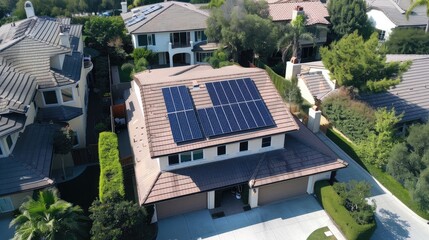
(238, 106)
(140, 14)
(183, 120)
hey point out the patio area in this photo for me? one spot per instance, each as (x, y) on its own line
(294, 219)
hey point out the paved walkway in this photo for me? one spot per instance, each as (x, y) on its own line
(291, 219)
(394, 219)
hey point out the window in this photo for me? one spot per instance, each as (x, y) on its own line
(200, 36)
(221, 150)
(244, 146)
(266, 142)
(6, 205)
(50, 97)
(67, 94)
(9, 141)
(151, 39)
(186, 157)
(198, 154)
(75, 139)
(173, 159)
(381, 34)
(142, 40)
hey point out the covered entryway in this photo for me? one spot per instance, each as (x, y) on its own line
(230, 200)
(181, 205)
(181, 59)
(282, 190)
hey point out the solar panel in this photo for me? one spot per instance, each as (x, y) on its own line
(237, 106)
(181, 115)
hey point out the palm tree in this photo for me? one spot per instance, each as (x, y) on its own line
(417, 3)
(294, 33)
(48, 217)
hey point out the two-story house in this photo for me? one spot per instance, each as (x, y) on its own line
(198, 134)
(42, 88)
(284, 11)
(387, 15)
(173, 30)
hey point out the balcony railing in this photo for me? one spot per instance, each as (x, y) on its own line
(180, 45)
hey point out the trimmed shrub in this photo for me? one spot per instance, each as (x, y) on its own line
(332, 203)
(353, 118)
(111, 176)
(280, 82)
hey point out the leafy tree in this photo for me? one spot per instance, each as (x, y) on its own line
(377, 147)
(49, 217)
(292, 35)
(219, 59)
(416, 4)
(241, 26)
(348, 16)
(102, 30)
(293, 93)
(354, 196)
(215, 3)
(409, 161)
(142, 59)
(408, 41)
(116, 219)
(361, 64)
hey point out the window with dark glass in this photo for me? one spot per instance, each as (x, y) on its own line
(9, 141)
(185, 157)
(142, 40)
(266, 141)
(244, 146)
(173, 159)
(50, 97)
(198, 154)
(221, 150)
(67, 94)
(75, 139)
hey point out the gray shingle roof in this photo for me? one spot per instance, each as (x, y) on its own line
(173, 16)
(410, 96)
(10, 123)
(72, 68)
(396, 13)
(29, 166)
(58, 114)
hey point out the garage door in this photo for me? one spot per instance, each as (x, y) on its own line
(181, 205)
(282, 190)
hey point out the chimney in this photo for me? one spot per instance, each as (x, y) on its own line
(297, 11)
(124, 7)
(29, 10)
(64, 37)
(314, 115)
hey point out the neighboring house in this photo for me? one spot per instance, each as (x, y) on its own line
(199, 134)
(315, 85)
(410, 96)
(284, 11)
(42, 87)
(173, 30)
(389, 14)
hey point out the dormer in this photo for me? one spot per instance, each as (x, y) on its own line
(29, 9)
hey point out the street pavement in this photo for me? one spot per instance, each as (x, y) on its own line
(394, 219)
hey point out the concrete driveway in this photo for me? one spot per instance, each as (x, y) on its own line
(291, 219)
(394, 219)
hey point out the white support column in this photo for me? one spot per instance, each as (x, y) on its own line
(253, 197)
(170, 53)
(310, 185)
(292, 69)
(314, 116)
(192, 54)
(211, 200)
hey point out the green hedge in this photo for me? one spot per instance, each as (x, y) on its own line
(351, 117)
(331, 202)
(111, 176)
(280, 82)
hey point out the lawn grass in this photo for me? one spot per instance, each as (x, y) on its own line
(319, 234)
(82, 190)
(384, 178)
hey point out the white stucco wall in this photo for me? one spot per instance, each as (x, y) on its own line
(79, 126)
(305, 93)
(232, 151)
(380, 21)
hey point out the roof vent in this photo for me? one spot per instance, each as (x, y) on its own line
(195, 85)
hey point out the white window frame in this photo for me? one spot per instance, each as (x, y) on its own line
(217, 150)
(56, 94)
(9, 204)
(180, 157)
(262, 142)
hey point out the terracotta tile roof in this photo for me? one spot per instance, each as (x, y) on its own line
(304, 154)
(315, 10)
(156, 123)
